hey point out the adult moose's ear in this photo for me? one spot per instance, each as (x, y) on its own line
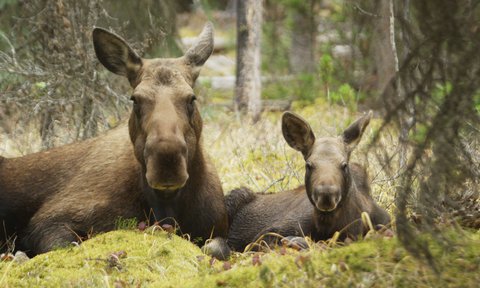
(297, 132)
(352, 135)
(198, 54)
(115, 54)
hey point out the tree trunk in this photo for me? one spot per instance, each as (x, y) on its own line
(89, 120)
(249, 30)
(384, 44)
(302, 56)
(386, 60)
(407, 122)
(47, 127)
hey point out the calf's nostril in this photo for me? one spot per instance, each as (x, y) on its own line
(338, 198)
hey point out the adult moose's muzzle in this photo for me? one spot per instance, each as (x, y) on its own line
(166, 164)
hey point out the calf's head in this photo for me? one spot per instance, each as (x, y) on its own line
(327, 174)
(165, 124)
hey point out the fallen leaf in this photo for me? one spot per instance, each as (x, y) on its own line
(142, 226)
(256, 260)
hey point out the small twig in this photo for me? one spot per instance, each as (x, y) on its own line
(273, 183)
(12, 49)
(356, 7)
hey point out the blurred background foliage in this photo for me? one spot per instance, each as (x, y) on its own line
(48, 66)
(331, 54)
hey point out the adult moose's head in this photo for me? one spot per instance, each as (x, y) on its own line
(165, 124)
(327, 172)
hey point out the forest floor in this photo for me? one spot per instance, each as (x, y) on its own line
(159, 259)
(257, 156)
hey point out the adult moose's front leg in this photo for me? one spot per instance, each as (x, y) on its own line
(217, 247)
(43, 235)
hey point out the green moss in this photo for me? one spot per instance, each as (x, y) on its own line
(125, 224)
(373, 262)
(159, 259)
(142, 258)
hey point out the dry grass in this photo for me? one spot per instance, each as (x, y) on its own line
(258, 157)
(255, 156)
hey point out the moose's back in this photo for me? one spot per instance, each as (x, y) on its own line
(81, 185)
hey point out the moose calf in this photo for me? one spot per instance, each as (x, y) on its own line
(335, 194)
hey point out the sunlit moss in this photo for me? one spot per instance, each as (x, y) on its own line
(158, 259)
(375, 262)
(142, 258)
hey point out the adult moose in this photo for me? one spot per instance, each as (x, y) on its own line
(335, 194)
(155, 165)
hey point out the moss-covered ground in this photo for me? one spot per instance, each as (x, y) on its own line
(256, 156)
(123, 257)
(157, 259)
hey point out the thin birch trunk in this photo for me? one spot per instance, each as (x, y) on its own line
(248, 83)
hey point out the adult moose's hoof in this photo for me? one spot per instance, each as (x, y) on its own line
(218, 248)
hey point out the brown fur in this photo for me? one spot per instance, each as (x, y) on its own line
(50, 198)
(297, 212)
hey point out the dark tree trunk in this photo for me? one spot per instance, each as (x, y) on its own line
(47, 127)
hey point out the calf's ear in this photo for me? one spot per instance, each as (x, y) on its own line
(115, 54)
(352, 135)
(298, 133)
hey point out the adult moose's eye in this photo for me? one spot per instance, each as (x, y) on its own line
(136, 106)
(133, 99)
(344, 166)
(191, 105)
(308, 166)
